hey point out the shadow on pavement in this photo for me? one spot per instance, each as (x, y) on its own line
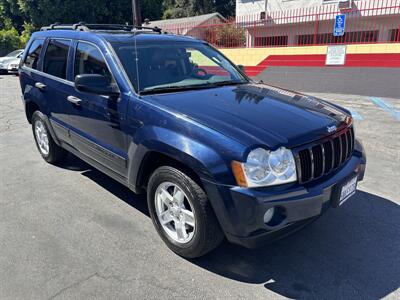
(350, 252)
(122, 192)
(74, 163)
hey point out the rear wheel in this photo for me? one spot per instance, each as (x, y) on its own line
(182, 214)
(49, 150)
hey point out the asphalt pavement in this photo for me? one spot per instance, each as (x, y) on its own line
(70, 232)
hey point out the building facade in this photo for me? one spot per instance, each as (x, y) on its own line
(250, 7)
(310, 22)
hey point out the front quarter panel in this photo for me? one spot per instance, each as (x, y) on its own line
(203, 160)
(205, 151)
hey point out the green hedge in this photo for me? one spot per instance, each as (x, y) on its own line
(10, 39)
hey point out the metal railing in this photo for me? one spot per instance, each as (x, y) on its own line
(376, 21)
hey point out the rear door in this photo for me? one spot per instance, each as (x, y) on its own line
(96, 120)
(55, 86)
(30, 73)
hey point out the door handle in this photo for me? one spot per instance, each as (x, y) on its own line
(40, 86)
(74, 100)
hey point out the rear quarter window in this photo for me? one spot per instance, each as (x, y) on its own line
(32, 58)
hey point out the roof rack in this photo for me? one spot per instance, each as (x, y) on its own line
(82, 26)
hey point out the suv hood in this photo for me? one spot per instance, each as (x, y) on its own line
(257, 114)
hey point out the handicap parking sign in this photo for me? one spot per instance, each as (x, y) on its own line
(340, 25)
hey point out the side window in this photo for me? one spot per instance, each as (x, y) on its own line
(89, 60)
(55, 60)
(32, 59)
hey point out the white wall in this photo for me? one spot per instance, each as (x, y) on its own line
(382, 17)
(384, 24)
(249, 7)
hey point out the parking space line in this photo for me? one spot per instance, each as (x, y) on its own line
(386, 107)
(356, 115)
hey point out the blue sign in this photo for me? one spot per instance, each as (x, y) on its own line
(340, 25)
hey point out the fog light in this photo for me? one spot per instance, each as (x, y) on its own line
(269, 214)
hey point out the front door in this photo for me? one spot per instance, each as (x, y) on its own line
(97, 121)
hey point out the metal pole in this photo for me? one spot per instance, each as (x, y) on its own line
(136, 13)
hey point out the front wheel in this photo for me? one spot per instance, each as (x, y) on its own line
(182, 214)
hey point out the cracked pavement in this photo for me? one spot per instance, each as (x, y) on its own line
(70, 232)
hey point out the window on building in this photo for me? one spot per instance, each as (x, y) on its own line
(361, 36)
(394, 35)
(348, 38)
(33, 56)
(271, 41)
(55, 60)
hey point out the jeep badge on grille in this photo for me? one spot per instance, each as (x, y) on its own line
(331, 129)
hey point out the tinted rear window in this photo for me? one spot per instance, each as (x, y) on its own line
(32, 59)
(55, 60)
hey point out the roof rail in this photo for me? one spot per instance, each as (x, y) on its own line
(82, 26)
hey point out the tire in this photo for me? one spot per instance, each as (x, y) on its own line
(206, 235)
(52, 153)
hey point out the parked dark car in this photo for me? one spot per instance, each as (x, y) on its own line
(218, 154)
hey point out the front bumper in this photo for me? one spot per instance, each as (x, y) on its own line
(241, 211)
(12, 70)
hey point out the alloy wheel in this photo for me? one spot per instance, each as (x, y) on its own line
(175, 212)
(42, 138)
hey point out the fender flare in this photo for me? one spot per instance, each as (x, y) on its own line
(50, 127)
(201, 159)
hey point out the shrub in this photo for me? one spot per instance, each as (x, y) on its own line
(26, 34)
(9, 40)
(227, 35)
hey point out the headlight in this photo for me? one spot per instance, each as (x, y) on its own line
(265, 168)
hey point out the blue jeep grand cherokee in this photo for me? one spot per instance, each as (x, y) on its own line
(218, 154)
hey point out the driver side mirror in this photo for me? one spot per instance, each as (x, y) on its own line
(95, 84)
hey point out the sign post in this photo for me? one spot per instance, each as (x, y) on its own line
(340, 25)
(136, 13)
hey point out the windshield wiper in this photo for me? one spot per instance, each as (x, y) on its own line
(176, 88)
(227, 82)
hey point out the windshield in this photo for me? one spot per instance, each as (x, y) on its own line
(14, 53)
(166, 66)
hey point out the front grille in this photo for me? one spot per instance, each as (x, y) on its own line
(321, 158)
